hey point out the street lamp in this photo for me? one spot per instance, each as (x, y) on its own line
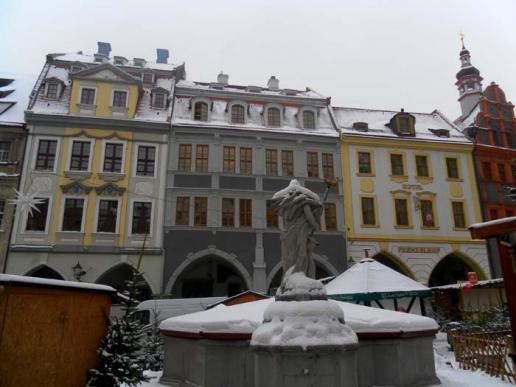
(78, 271)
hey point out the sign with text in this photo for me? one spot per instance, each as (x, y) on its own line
(419, 250)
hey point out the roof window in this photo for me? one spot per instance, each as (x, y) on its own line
(361, 126)
(403, 124)
(440, 132)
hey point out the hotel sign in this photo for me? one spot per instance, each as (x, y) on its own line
(419, 250)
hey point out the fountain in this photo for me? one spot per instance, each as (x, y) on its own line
(299, 338)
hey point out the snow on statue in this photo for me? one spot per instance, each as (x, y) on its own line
(300, 210)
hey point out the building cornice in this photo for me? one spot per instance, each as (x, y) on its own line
(406, 143)
(94, 122)
(249, 97)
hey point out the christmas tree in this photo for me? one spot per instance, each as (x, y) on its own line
(121, 355)
(154, 353)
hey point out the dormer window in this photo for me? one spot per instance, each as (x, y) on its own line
(148, 78)
(76, 68)
(201, 111)
(308, 119)
(440, 132)
(403, 124)
(361, 126)
(273, 117)
(158, 100)
(237, 114)
(52, 90)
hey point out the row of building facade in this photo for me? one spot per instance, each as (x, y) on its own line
(127, 158)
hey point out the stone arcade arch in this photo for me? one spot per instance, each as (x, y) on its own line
(209, 273)
(394, 263)
(452, 268)
(323, 269)
(117, 276)
(44, 271)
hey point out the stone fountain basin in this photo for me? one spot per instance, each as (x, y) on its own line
(212, 347)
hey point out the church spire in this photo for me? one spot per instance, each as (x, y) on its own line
(469, 81)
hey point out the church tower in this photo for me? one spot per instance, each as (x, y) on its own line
(469, 82)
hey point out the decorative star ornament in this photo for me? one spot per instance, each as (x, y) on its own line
(26, 201)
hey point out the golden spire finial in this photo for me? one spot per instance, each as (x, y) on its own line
(462, 38)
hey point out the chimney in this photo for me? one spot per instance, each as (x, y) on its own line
(162, 55)
(223, 78)
(104, 48)
(273, 83)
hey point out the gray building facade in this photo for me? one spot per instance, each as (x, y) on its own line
(231, 148)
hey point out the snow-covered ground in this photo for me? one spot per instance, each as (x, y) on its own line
(448, 371)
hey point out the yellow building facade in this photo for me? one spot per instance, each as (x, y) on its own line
(98, 141)
(410, 194)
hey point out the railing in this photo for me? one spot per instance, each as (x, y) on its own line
(486, 351)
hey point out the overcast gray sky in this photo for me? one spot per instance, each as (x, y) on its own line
(367, 53)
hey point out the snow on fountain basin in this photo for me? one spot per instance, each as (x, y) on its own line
(240, 321)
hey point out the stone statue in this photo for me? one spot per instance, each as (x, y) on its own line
(300, 210)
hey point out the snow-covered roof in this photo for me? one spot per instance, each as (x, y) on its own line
(291, 100)
(36, 281)
(377, 121)
(479, 284)
(61, 105)
(16, 99)
(245, 318)
(79, 57)
(371, 277)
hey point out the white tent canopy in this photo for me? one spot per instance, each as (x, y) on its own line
(370, 280)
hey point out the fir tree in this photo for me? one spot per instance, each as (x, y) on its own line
(154, 353)
(121, 355)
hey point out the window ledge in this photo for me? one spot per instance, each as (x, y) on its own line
(370, 225)
(404, 227)
(460, 229)
(399, 178)
(424, 179)
(78, 175)
(111, 176)
(454, 179)
(366, 174)
(429, 228)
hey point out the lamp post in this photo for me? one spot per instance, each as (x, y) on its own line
(78, 271)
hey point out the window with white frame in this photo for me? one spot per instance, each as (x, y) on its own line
(273, 117)
(308, 119)
(237, 114)
(107, 215)
(87, 96)
(52, 90)
(113, 154)
(141, 217)
(5, 147)
(201, 111)
(46, 155)
(37, 220)
(80, 156)
(73, 214)
(119, 98)
(146, 160)
(158, 100)
(147, 78)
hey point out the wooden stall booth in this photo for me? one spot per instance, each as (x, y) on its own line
(50, 330)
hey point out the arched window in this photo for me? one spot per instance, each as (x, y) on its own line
(238, 114)
(201, 111)
(308, 119)
(273, 117)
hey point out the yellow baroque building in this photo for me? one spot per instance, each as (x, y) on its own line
(96, 154)
(410, 194)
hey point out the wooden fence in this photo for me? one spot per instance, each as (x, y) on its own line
(486, 351)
